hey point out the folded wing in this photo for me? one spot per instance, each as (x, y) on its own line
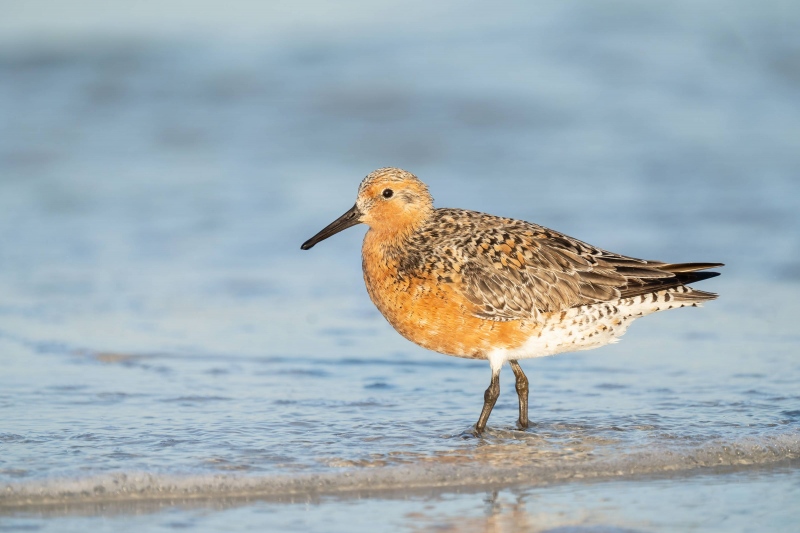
(518, 270)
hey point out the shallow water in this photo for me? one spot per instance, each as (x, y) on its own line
(162, 336)
(723, 503)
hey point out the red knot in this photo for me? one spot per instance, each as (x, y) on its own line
(480, 286)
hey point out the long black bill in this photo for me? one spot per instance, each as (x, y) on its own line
(351, 218)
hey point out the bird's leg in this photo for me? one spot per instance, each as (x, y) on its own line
(489, 399)
(522, 392)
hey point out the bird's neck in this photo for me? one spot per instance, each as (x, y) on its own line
(392, 241)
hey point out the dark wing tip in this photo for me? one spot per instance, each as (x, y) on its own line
(676, 268)
(692, 277)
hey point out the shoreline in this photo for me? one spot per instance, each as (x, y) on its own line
(440, 475)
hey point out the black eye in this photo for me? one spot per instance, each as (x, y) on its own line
(387, 193)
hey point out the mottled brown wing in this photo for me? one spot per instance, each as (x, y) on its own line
(513, 270)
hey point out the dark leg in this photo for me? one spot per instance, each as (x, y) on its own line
(489, 399)
(522, 392)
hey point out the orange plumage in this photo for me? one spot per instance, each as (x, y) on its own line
(479, 286)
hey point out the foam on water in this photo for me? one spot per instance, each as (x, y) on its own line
(505, 460)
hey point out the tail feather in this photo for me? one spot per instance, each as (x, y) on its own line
(692, 277)
(688, 267)
(695, 295)
(677, 275)
(690, 273)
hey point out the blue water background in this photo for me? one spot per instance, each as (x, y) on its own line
(158, 172)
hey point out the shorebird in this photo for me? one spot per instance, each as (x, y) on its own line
(479, 286)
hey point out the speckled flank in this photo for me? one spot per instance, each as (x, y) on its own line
(591, 326)
(474, 285)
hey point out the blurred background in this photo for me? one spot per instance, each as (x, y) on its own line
(166, 159)
(161, 163)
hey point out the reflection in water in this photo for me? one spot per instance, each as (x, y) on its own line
(510, 512)
(656, 504)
